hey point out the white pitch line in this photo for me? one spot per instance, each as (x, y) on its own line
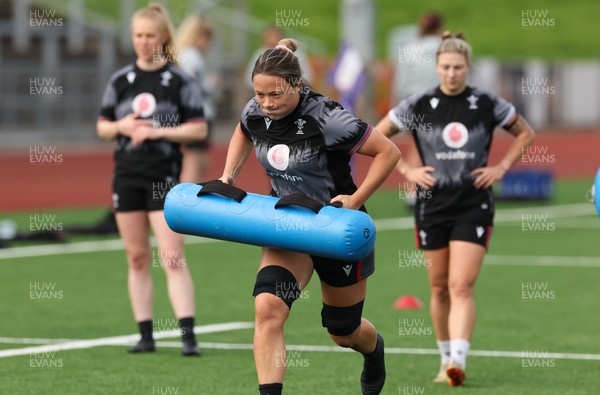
(504, 215)
(308, 348)
(81, 247)
(558, 211)
(397, 350)
(534, 260)
(384, 224)
(120, 340)
(57, 249)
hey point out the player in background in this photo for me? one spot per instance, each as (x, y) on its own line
(415, 72)
(150, 107)
(415, 67)
(305, 141)
(194, 38)
(453, 125)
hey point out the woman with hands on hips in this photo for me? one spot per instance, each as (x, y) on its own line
(453, 125)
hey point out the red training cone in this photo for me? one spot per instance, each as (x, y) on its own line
(408, 302)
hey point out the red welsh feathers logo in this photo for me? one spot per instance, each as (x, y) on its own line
(455, 135)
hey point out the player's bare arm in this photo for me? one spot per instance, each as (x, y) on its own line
(524, 135)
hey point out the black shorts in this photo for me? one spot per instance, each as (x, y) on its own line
(470, 218)
(139, 194)
(338, 273)
(434, 237)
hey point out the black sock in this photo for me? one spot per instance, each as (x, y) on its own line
(187, 328)
(146, 329)
(375, 354)
(270, 389)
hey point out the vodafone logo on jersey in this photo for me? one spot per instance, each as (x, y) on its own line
(279, 156)
(144, 104)
(455, 135)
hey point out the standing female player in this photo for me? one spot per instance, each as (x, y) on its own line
(150, 107)
(305, 141)
(453, 125)
(194, 38)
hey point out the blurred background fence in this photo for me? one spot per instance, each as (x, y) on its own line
(56, 57)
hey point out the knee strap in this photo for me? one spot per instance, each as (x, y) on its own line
(342, 321)
(278, 281)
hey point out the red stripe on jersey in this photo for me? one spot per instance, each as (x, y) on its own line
(358, 266)
(487, 236)
(417, 240)
(362, 140)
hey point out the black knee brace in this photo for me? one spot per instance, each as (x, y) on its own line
(342, 321)
(278, 281)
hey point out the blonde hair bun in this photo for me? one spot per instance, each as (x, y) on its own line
(289, 43)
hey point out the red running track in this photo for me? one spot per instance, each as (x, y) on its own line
(82, 177)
